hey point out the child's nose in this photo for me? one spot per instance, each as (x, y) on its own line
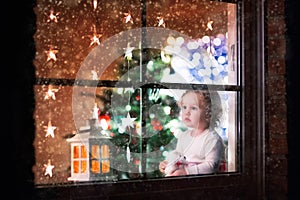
(187, 111)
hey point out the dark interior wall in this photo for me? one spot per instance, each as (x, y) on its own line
(18, 78)
(292, 64)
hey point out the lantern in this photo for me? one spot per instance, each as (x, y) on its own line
(91, 153)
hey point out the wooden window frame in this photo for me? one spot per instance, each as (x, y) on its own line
(248, 182)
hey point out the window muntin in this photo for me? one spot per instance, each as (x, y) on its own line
(125, 71)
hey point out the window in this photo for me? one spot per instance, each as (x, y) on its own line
(110, 74)
(124, 68)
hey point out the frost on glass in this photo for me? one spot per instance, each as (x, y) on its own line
(87, 130)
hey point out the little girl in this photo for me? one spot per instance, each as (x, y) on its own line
(200, 144)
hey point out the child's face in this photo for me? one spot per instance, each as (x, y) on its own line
(190, 110)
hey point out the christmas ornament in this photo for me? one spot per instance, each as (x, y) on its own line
(128, 153)
(127, 122)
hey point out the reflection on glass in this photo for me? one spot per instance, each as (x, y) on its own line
(105, 116)
(163, 109)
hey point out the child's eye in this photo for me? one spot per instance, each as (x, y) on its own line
(194, 108)
(184, 107)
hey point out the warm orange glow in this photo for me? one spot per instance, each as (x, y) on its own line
(83, 166)
(76, 152)
(83, 152)
(105, 166)
(79, 166)
(95, 151)
(105, 151)
(76, 167)
(95, 166)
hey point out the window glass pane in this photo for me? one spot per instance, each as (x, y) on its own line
(105, 166)
(83, 152)
(105, 151)
(192, 49)
(75, 152)
(83, 166)
(166, 123)
(68, 31)
(105, 82)
(95, 166)
(76, 167)
(95, 151)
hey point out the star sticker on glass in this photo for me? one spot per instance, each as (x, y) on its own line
(95, 38)
(51, 54)
(127, 122)
(209, 25)
(161, 22)
(128, 52)
(95, 4)
(128, 18)
(52, 16)
(49, 168)
(51, 93)
(49, 129)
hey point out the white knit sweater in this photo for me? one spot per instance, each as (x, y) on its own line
(203, 152)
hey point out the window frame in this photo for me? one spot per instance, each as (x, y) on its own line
(249, 180)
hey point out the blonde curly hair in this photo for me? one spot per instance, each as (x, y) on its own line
(209, 101)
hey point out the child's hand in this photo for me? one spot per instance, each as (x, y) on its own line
(179, 172)
(162, 166)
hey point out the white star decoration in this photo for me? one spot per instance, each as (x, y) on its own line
(95, 3)
(95, 39)
(128, 121)
(128, 52)
(94, 75)
(51, 54)
(52, 16)
(128, 18)
(50, 130)
(161, 22)
(209, 25)
(49, 168)
(51, 93)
